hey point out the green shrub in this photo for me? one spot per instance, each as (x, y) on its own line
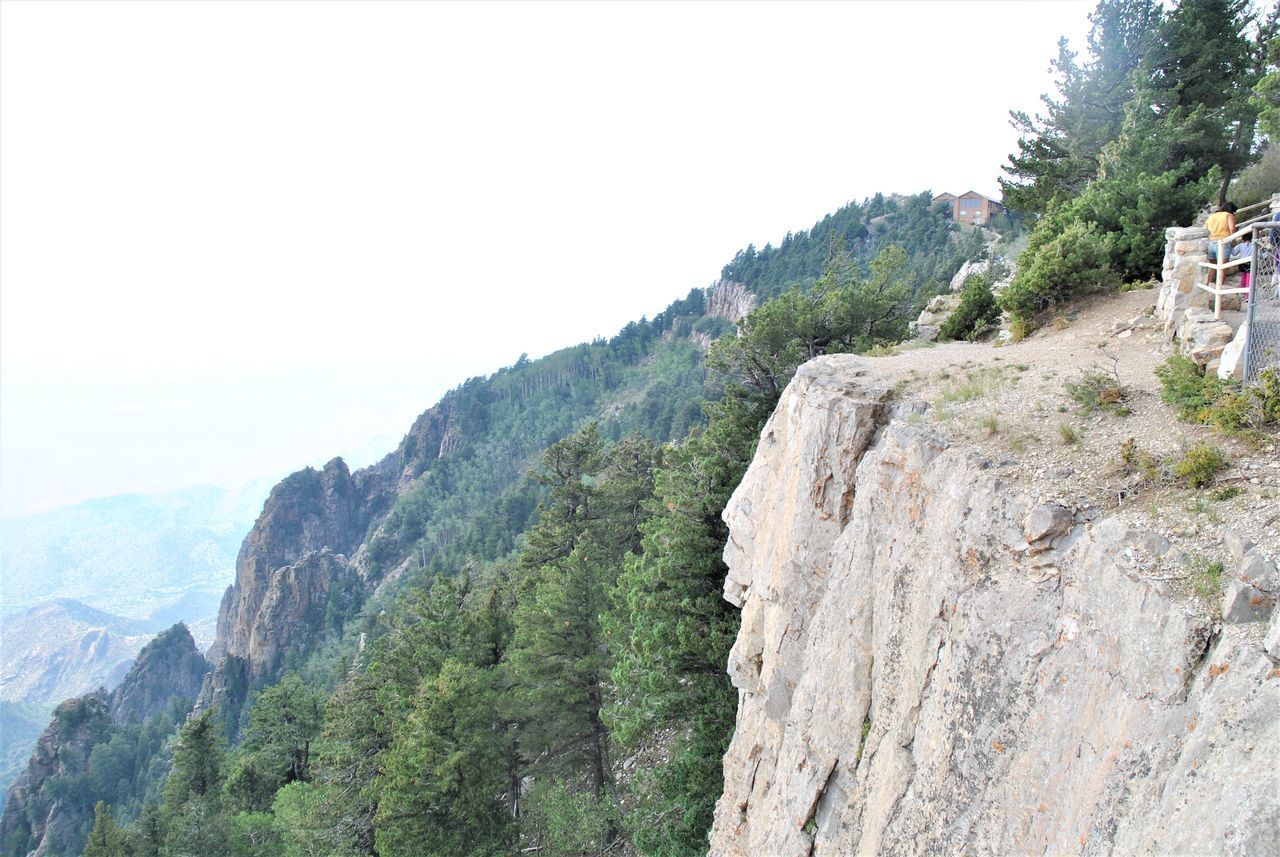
(1208, 400)
(1187, 388)
(1098, 391)
(977, 309)
(1230, 492)
(1206, 577)
(1265, 396)
(1199, 465)
(1061, 262)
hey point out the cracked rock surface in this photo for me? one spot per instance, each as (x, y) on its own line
(933, 660)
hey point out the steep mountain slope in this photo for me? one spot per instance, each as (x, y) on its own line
(451, 493)
(52, 652)
(34, 821)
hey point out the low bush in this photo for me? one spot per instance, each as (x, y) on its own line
(1186, 388)
(1199, 465)
(977, 309)
(1208, 400)
(1098, 391)
(1061, 262)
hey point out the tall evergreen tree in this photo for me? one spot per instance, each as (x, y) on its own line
(194, 822)
(1200, 79)
(446, 771)
(1059, 150)
(106, 839)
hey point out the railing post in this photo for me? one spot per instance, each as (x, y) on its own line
(1217, 297)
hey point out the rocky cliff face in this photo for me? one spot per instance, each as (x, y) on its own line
(170, 667)
(730, 301)
(308, 511)
(36, 820)
(303, 551)
(278, 575)
(932, 660)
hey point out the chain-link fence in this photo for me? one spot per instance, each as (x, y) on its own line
(1262, 348)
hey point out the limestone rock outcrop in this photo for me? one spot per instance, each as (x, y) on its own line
(730, 301)
(277, 572)
(933, 661)
(935, 314)
(301, 562)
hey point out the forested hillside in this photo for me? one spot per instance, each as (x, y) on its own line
(934, 250)
(533, 653)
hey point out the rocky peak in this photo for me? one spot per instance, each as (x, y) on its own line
(309, 511)
(35, 820)
(169, 667)
(303, 551)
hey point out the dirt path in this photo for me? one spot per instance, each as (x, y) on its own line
(1011, 404)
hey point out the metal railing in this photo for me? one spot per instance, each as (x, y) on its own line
(1223, 263)
(1262, 320)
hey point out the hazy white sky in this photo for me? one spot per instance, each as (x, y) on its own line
(237, 238)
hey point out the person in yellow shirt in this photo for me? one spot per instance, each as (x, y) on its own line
(1221, 224)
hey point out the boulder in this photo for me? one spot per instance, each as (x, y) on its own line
(1260, 572)
(1045, 523)
(1237, 545)
(1251, 595)
(1244, 602)
(1203, 337)
(1231, 365)
(1271, 642)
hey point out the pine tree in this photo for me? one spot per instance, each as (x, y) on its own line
(194, 821)
(1059, 150)
(106, 839)
(445, 771)
(672, 631)
(198, 758)
(559, 664)
(1200, 80)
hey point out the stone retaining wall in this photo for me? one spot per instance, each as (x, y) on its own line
(1187, 312)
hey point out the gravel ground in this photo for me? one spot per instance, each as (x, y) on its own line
(1010, 404)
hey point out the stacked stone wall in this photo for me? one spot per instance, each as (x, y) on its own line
(1185, 248)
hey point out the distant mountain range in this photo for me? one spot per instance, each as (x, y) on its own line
(131, 555)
